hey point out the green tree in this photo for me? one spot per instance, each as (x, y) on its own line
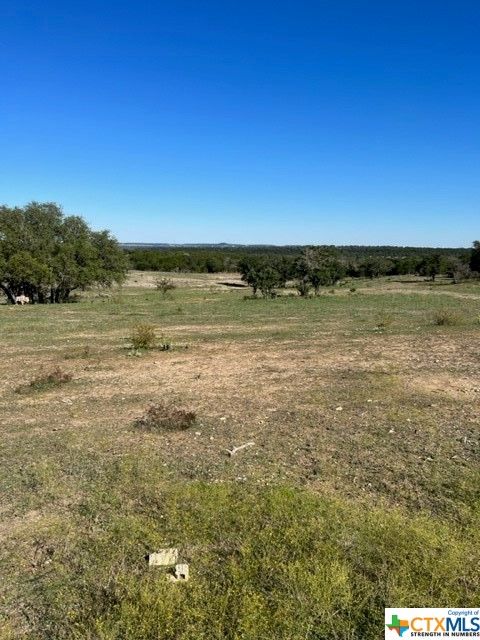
(457, 269)
(46, 255)
(432, 265)
(475, 257)
(262, 275)
(318, 266)
(374, 267)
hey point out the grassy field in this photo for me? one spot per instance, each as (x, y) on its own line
(361, 490)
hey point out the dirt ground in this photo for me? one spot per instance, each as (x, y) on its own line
(330, 399)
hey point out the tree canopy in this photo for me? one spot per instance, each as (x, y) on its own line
(47, 255)
(475, 257)
(317, 267)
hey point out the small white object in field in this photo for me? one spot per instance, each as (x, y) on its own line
(163, 558)
(22, 299)
(339, 409)
(181, 573)
(234, 450)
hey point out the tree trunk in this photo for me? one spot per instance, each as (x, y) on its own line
(8, 292)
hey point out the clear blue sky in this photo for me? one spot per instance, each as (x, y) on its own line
(249, 121)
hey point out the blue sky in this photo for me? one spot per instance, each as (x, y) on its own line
(253, 122)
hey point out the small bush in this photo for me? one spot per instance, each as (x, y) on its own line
(54, 378)
(165, 285)
(164, 417)
(446, 318)
(143, 336)
(353, 289)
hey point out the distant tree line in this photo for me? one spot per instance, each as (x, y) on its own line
(324, 266)
(268, 268)
(185, 260)
(46, 255)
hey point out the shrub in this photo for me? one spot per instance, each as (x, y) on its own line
(164, 417)
(353, 289)
(54, 378)
(446, 318)
(165, 285)
(143, 336)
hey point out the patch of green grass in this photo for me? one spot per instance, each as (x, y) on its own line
(266, 563)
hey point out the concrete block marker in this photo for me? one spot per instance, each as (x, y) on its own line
(181, 573)
(163, 558)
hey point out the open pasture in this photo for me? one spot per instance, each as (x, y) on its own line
(364, 473)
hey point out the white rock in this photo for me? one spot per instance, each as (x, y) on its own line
(181, 573)
(163, 558)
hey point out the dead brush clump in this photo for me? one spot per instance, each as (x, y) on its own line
(446, 318)
(164, 285)
(166, 417)
(49, 380)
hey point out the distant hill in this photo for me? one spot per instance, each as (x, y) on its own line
(217, 245)
(288, 247)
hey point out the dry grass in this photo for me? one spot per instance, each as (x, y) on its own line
(446, 318)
